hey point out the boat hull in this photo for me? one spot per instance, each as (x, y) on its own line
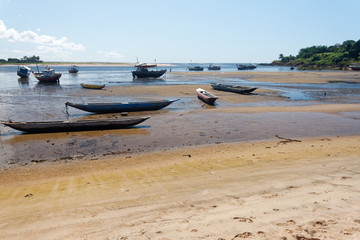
(121, 107)
(92, 86)
(23, 75)
(52, 78)
(81, 125)
(195, 68)
(206, 96)
(148, 74)
(232, 88)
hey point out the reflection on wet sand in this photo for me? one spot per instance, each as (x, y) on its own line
(18, 137)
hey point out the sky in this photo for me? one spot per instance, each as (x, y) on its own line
(182, 31)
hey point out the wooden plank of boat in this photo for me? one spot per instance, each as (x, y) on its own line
(77, 125)
(232, 88)
(92, 86)
(206, 96)
(122, 106)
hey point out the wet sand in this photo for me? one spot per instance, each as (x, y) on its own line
(253, 166)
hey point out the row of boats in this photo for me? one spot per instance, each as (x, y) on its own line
(116, 123)
(47, 75)
(212, 67)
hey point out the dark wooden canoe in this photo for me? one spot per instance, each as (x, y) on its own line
(77, 125)
(232, 88)
(122, 106)
(145, 73)
(206, 96)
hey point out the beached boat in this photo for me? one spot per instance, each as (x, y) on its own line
(246, 66)
(232, 88)
(206, 96)
(92, 86)
(142, 71)
(122, 106)
(76, 125)
(195, 68)
(355, 67)
(73, 69)
(23, 71)
(212, 67)
(47, 75)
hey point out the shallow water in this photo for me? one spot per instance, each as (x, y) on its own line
(28, 100)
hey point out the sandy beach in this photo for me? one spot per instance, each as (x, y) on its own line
(253, 167)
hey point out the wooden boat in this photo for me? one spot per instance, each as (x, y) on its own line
(195, 68)
(77, 125)
(121, 107)
(246, 66)
(23, 71)
(142, 71)
(214, 67)
(47, 75)
(232, 88)
(206, 96)
(355, 67)
(92, 86)
(73, 69)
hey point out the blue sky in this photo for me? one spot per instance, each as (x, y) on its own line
(172, 31)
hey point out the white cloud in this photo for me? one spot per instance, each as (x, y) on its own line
(111, 54)
(13, 35)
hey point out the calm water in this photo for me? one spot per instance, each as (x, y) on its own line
(117, 75)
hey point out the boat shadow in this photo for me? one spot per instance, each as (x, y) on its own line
(148, 80)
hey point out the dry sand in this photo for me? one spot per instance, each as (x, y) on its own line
(299, 188)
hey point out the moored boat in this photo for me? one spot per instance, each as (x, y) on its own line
(92, 86)
(212, 67)
(73, 69)
(206, 96)
(195, 68)
(355, 67)
(76, 125)
(122, 106)
(246, 66)
(232, 88)
(23, 71)
(142, 71)
(47, 75)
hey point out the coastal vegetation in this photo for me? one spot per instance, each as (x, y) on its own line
(25, 59)
(338, 56)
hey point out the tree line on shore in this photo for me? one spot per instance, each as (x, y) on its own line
(336, 56)
(25, 59)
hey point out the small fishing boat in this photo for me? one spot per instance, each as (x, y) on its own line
(122, 106)
(76, 125)
(23, 71)
(47, 75)
(212, 67)
(246, 66)
(206, 96)
(92, 86)
(355, 66)
(232, 88)
(73, 69)
(142, 71)
(195, 68)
